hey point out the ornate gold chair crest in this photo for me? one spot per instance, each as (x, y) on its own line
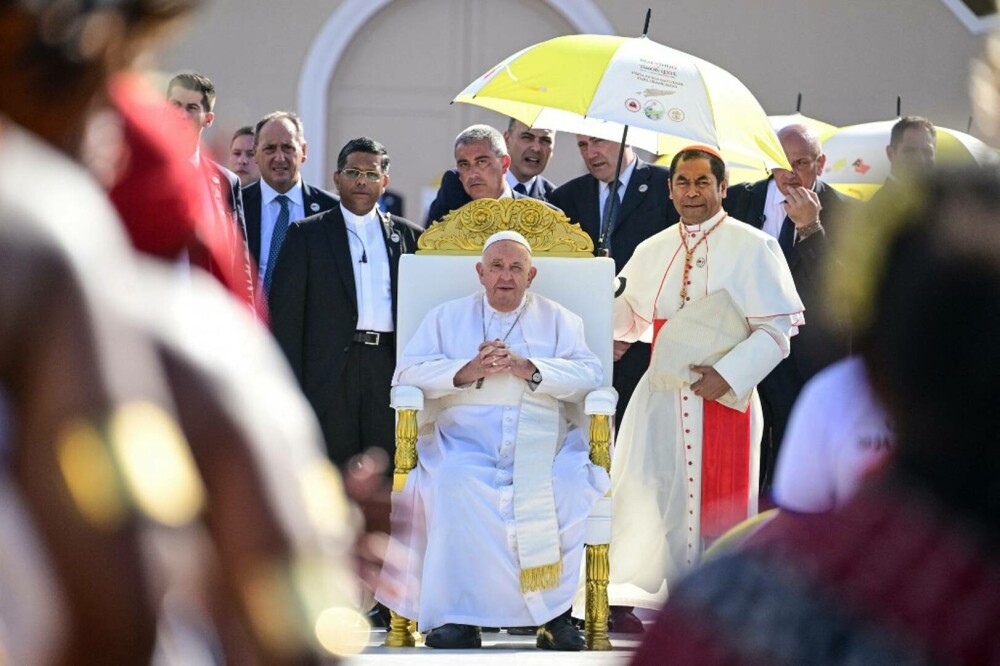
(444, 268)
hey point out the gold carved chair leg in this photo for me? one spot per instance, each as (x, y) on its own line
(406, 448)
(401, 630)
(598, 563)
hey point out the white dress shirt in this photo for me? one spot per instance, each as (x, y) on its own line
(269, 210)
(604, 188)
(372, 281)
(774, 211)
(513, 181)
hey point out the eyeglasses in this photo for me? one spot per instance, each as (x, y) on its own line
(354, 174)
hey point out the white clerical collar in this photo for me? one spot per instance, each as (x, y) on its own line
(707, 224)
(195, 158)
(493, 312)
(623, 178)
(358, 220)
(513, 182)
(269, 194)
(507, 192)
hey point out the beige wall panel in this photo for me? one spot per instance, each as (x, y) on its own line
(403, 100)
(849, 59)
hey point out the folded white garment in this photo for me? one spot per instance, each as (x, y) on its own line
(700, 333)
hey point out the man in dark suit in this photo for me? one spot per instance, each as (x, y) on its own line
(280, 196)
(530, 150)
(644, 210)
(912, 150)
(788, 206)
(222, 227)
(333, 304)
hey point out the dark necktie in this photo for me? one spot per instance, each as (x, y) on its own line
(787, 236)
(521, 188)
(609, 214)
(277, 238)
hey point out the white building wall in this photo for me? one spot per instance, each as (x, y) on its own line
(404, 62)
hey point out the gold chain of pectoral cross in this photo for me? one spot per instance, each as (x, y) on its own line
(689, 254)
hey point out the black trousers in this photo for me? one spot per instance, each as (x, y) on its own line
(778, 392)
(627, 372)
(359, 415)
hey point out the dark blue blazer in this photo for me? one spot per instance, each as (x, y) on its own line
(391, 201)
(451, 195)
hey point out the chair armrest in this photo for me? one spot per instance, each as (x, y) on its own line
(601, 401)
(406, 397)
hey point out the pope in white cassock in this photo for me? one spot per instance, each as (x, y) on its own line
(499, 500)
(686, 460)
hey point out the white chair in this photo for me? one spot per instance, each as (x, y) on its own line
(444, 269)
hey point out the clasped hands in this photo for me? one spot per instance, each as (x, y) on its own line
(494, 357)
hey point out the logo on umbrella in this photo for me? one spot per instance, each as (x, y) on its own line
(675, 115)
(860, 166)
(632, 104)
(654, 110)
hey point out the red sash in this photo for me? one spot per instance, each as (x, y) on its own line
(725, 464)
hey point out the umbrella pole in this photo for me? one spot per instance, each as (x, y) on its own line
(604, 242)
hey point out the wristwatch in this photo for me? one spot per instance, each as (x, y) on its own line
(536, 378)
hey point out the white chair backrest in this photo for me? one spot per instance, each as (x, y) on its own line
(584, 286)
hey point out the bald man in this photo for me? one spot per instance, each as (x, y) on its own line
(800, 210)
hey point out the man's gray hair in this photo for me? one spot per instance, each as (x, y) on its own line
(477, 133)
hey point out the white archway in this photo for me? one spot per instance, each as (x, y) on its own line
(335, 36)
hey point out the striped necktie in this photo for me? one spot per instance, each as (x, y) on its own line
(277, 238)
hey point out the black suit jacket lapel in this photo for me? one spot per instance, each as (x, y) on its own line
(394, 249)
(758, 198)
(590, 217)
(336, 235)
(309, 203)
(251, 212)
(633, 193)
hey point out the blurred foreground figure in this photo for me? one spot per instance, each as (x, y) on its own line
(115, 535)
(907, 571)
(75, 587)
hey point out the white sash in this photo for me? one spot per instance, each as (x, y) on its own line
(538, 436)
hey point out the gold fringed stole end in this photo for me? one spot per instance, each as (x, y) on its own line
(544, 577)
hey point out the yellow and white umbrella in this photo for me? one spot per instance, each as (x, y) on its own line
(856, 163)
(598, 84)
